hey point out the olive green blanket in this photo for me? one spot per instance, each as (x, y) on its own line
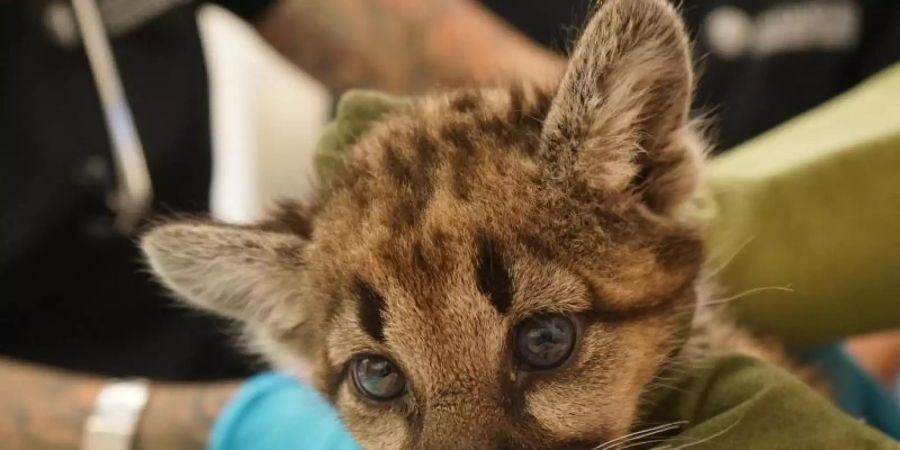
(805, 224)
(814, 205)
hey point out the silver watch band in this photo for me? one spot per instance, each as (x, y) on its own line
(113, 423)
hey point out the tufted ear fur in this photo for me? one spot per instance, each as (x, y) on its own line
(620, 116)
(250, 275)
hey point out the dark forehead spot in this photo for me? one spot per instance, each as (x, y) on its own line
(542, 101)
(426, 149)
(519, 126)
(414, 178)
(462, 163)
(492, 275)
(516, 111)
(426, 163)
(456, 133)
(500, 129)
(419, 259)
(398, 169)
(404, 213)
(371, 309)
(466, 101)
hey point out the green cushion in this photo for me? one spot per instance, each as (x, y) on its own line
(814, 205)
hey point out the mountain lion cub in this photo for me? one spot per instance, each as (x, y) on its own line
(505, 268)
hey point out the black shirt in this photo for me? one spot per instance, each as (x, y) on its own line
(73, 292)
(746, 91)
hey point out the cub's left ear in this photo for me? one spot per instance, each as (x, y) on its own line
(247, 274)
(620, 116)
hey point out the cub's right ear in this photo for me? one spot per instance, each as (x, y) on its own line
(246, 274)
(620, 115)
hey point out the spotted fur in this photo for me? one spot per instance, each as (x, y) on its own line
(464, 214)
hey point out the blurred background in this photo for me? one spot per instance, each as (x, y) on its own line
(108, 107)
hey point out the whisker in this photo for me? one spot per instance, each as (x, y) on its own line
(724, 300)
(640, 434)
(711, 437)
(669, 387)
(638, 443)
(634, 435)
(715, 271)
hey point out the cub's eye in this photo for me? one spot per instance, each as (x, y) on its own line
(544, 342)
(377, 378)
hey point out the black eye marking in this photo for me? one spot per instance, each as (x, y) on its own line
(371, 309)
(492, 276)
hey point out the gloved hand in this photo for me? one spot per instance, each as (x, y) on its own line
(275, 411)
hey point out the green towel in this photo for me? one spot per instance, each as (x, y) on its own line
(737, 402)
(810, 206)
(814, 205)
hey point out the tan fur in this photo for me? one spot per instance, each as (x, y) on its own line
(579, 185)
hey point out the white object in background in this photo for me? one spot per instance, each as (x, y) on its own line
(784, 28)
(266, 117)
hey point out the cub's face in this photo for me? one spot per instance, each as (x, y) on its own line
(498, 269)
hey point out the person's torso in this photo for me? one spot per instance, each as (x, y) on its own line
(75, 293)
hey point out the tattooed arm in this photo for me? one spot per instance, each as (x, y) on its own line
(42, 408)
(403, 46)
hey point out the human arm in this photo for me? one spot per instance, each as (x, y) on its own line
(45, 408)
(403, 46)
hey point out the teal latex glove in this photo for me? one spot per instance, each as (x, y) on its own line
(275, 411)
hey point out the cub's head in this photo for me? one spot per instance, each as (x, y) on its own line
(500, 268)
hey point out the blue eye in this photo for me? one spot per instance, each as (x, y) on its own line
(544, 342)
(377, 378)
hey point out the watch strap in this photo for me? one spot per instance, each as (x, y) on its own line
(114, 421)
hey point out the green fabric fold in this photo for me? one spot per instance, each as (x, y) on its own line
(357, 110)
(737, 402)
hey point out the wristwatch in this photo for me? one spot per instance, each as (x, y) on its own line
(113, 423)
